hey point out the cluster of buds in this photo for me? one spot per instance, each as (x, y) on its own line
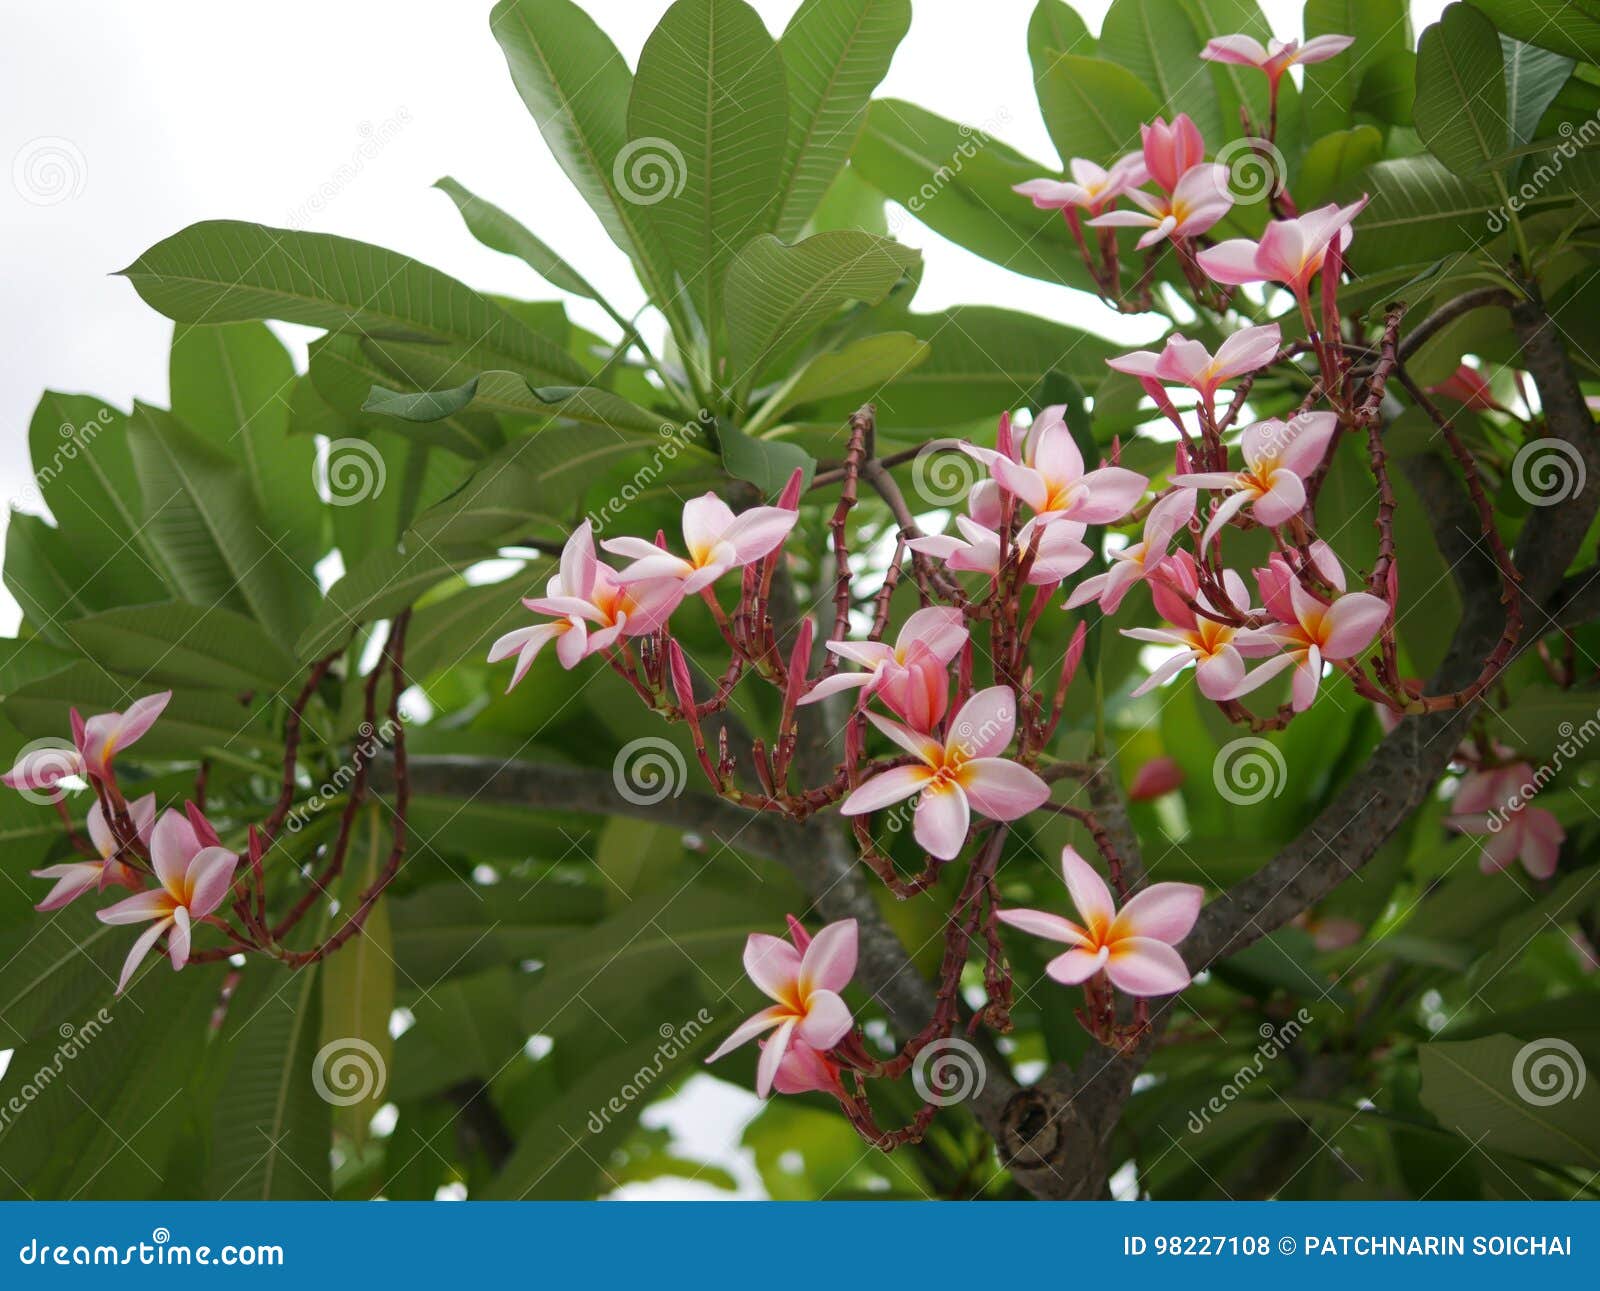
(182, 875)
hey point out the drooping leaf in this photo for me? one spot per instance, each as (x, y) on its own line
(1570, 27)
(834, 54)
(501, 232)
(1461, 92)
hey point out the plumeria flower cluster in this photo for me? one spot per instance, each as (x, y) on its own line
(930, 750)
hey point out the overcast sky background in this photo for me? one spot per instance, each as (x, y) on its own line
(167, 112)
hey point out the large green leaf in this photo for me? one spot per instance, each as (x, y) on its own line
(1382, 28)
(1570, 27)
(1534, 77)
(866, 364)
(958, 182)
(1332, 165)
(1055, 28)
(708, 121)
(270, 1131)
(1460, 110)
(1531, 1098)
(46, 574)
(202, 515)
(223, 271)
(506, 392)
(1093, 107)
(1419, 212)
(181, 645)
(778, 295)
(834, 54)
(576, 87)
(230, 385)
(501, 232)
(1158, 43)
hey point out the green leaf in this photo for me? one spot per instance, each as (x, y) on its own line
(1461, 91)
(1541, 718)
(958, 181)
(1570, 27)
(454, 928)
(380, 586)
(576, 87)
(270, 1130)
(203, 517)
(1530, 1099)
(778, 295)
(224, 271)
(766, 463)
(179, 645)
(1382, 28)
(230, 385)
(44, 571)
(1389, 88)
(834, 54)
(506, 392)
(1334, 163)
(1159, 44)
(500, 232)
(1093, 107)
(866, 364)
(1054, 29)
(1534, 77)
(459, 628)
(1419, 212)
(707, 125)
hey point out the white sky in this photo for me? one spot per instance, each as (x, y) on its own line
(172, 111)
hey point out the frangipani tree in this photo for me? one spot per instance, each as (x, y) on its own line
(913, 593)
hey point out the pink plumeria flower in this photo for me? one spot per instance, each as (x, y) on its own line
(962, 775)
(804, 976)
(1290, 252)
(74, 878)
(1092, 188)
(95, 744)
(913, 674)
(1496, 802)
(1313, 631)
(1155, 779)
(1192, 207)
(1277, 56)
(805, 1070)
(1279, 457)
(1188, 363)
(1217, 650)
(195, 874)
(1058, 556)
(1171, 151)
(590, 609)
(1134, 948)
(716, 539)
(1133, 563)
(1047, 473)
